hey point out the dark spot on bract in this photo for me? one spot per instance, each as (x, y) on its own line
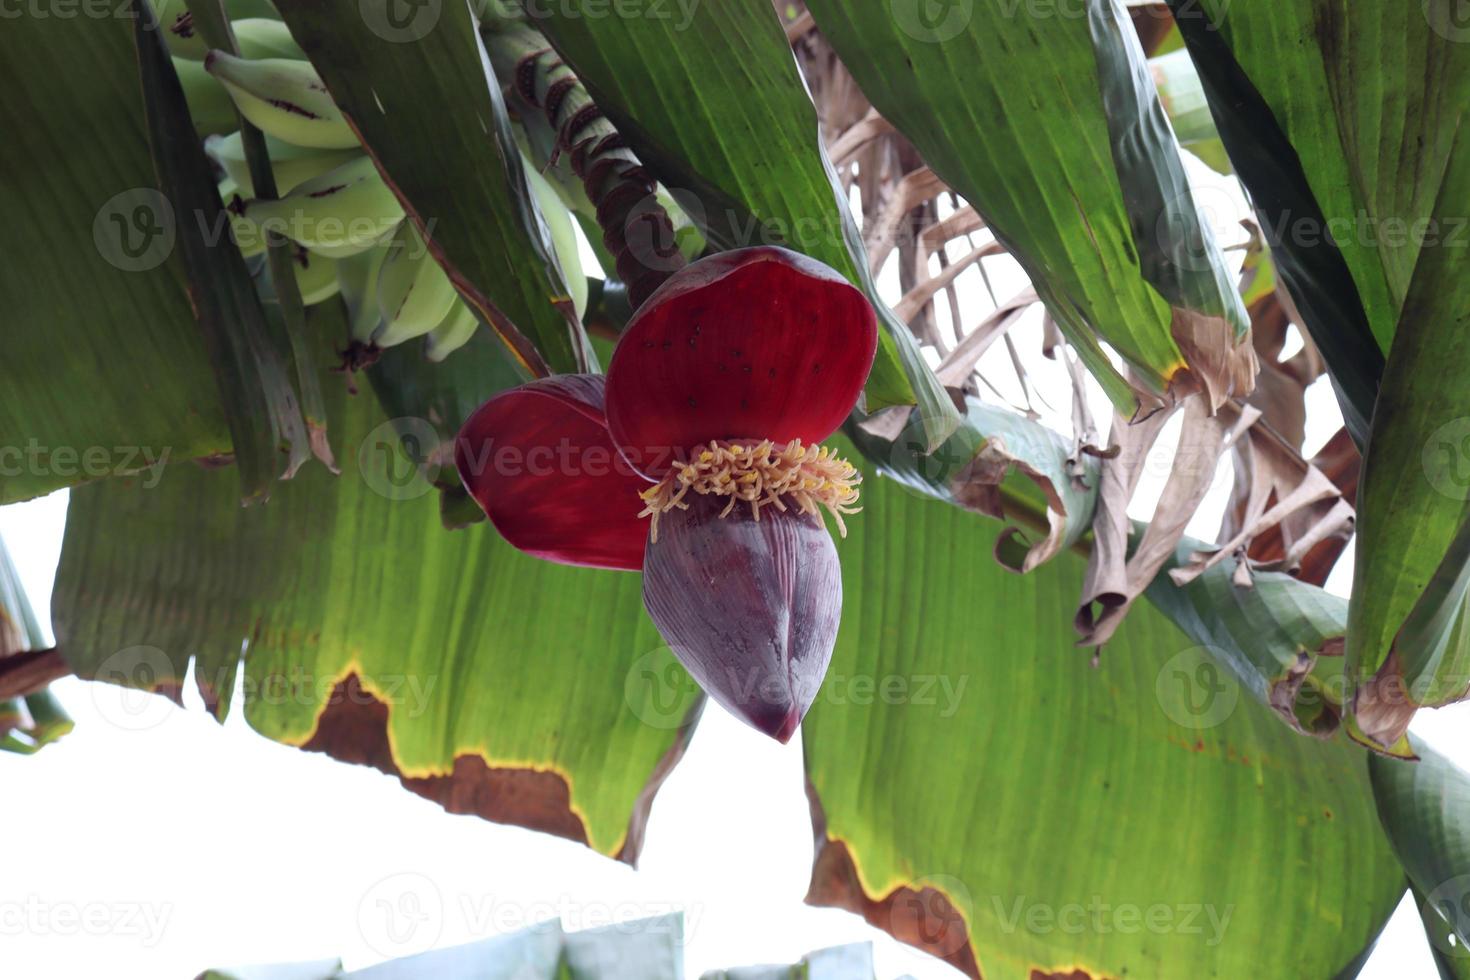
(817, 368)
(746, 369)
(771, 373)
(668, 345)
(735, 352)
(691, 401)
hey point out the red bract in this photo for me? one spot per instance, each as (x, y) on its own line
(718, 392)
(759, 343)
(538, 459)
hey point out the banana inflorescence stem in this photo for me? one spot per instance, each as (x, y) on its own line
(635, 227)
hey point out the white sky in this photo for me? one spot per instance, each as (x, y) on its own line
(153, 843)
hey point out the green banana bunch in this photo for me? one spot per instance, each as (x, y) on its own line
(452, 333)
(414, 294)
(334, 205)
(284, 98)
(293, 165)
(358, 275)
(339, 213)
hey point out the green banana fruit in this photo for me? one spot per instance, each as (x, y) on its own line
(346, 210)
(209, 104)
(284, 98)
(414, 294)
(316, 277)
(563, 237)
(246, 234)
(358, 276)
(293, 165)
(347, 251)
(261, 37)
(178, 31)
(452, 333)
(186, 42)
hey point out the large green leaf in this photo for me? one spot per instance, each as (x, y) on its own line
(1340, 118)
(709, 96)
(105, 369)
(1051, 128)
(488, 680)
(1425, 809)
(419, 93)
(1407, 645)
(1280, 638)
(981, 789)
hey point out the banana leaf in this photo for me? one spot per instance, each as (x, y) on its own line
(1340, 118)
(106, 370)
(484, 679)
(1407, 642)
(1425, 809)
(984, 792)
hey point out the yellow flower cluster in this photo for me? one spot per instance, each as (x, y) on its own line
(761, 475)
